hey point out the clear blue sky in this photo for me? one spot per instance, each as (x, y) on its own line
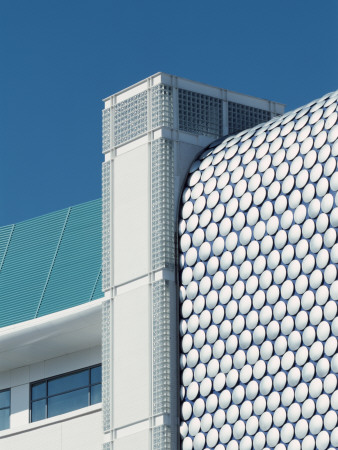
(60, 58)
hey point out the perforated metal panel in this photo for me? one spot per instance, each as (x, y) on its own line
(241, 117)
(106, 225)
(161, 438)
(259, 286)
(162, 106)
(162, 186)
(200, 114)
(106, 130)
(130, 118)
(161, 347)
(106, 363)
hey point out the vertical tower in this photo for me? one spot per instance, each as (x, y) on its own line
(152, 131)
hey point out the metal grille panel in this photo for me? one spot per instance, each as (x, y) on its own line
(106, 225)
(106, 130)
(161, 106)
(163, 223)
(242, 117)
(161, 438)
(106, 363)
(130, 118)
(161, 347)
(200, 114)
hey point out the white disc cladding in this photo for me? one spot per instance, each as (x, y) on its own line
(259, 288)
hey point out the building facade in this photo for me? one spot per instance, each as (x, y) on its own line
(50, 335)
(172, 219)
(259, 287)
(152, 132)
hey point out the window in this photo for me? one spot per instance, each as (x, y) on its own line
(5, 404)
(61, 394)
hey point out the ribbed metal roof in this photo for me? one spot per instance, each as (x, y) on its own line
(50, 263)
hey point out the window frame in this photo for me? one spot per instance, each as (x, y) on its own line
(66, 391)
(7, 407)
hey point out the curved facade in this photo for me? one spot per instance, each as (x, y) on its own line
(259, 289)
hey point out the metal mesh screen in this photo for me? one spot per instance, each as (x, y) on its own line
(161, 438)
(161, 106)
(161, 347)
(200, 114)
(241, 117)
(106, 225)
(106, 130)
(106, 363)
(163, 223)
(130, 118)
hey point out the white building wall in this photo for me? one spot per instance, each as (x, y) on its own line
(132, 358)
(131, 200)
(77, 430)
(138, 440)
(149, 146)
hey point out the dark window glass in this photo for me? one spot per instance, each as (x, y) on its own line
(38, 410)
(96, 375)
(95, 396)
(4, 419)
(63, 403)
(5, 402)
(65, 393)
(39, 391)
(5, 398)
(68, 383)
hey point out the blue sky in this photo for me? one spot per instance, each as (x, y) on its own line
(60, 58)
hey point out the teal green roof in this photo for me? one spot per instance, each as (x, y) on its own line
(50, 263)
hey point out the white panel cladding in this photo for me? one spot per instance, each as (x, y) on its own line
(68, 362)
(38, 439)
(131, 215)
(83, 432)
(135, 441)
(106, 209)
(19, 406)
(162, 217)
(131, 364)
